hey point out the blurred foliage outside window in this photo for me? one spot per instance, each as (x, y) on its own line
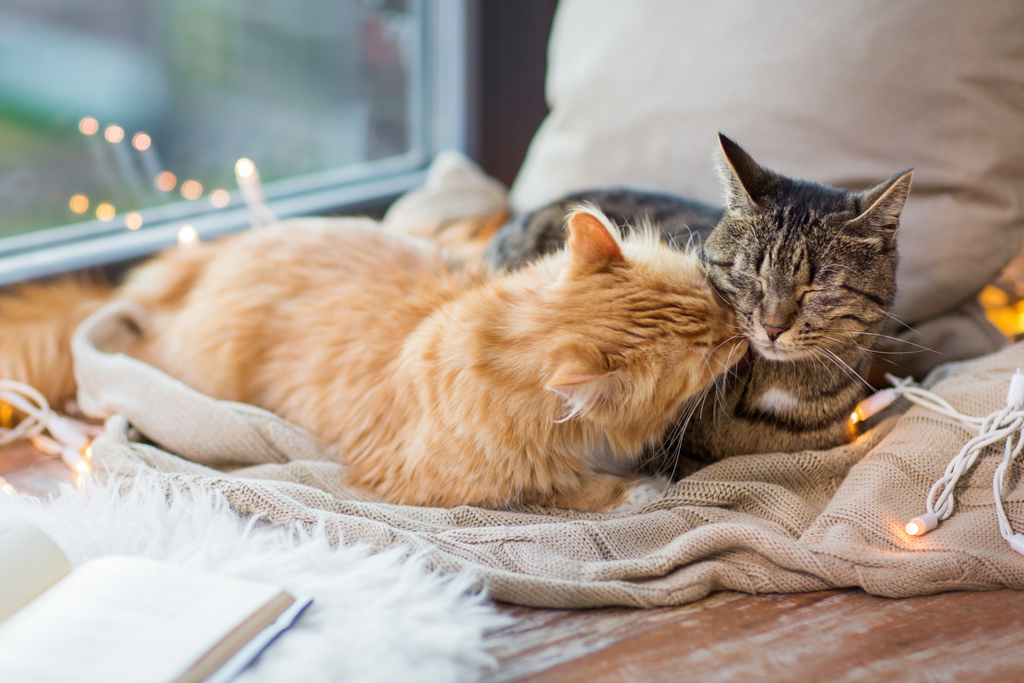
(110, 107)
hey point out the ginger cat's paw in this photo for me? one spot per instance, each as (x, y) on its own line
(644, 491)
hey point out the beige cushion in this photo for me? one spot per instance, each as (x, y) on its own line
(459, 207)
(845, 93)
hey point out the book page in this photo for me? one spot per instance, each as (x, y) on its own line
(29, 563)
(127, 619)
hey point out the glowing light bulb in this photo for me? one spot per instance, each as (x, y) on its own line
(220, 198)
(79, 203)
(166, 181)
(993, 297)
(114, 133)
(874, 404)
(88, 452)
(922, 524)
(187, 236)
(133, 221)
(244, 167)
(141, 141)
(191, 189)
(105, 212)
(854, 417)
(88, 126)
(82, 467)
(248, 179)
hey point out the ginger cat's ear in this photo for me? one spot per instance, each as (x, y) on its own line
(582, 387)
(593, 243)
(582, 390)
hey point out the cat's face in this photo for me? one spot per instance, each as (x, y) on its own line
(639, 330)
(808, 268)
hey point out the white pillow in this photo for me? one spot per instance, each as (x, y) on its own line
(846, 92)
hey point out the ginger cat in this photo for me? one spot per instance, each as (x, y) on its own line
(439, 384)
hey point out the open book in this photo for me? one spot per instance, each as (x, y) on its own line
(126, 618)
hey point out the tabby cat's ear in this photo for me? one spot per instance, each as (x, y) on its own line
(592, 244)
(745, 183)
(881, 219)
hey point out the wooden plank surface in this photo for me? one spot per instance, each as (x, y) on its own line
(841, 636)
(543, 638)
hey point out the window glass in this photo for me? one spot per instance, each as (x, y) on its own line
(112, 109)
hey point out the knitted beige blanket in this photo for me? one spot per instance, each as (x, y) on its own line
(761, 523)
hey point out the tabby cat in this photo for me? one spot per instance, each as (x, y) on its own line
(810, 271)
(438, 383)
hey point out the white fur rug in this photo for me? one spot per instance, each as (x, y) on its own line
(373, 618)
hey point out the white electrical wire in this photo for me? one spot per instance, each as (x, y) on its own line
(29, 401)
(1001, 425)
(67, 438)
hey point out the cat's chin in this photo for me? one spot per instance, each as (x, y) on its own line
(774, 353)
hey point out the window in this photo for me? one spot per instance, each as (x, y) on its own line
(122, 120)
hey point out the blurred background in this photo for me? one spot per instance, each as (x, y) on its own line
(117, 115)
(123, 105)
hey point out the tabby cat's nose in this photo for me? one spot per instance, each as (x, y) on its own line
(773, 332)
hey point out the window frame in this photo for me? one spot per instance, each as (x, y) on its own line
(447, 125)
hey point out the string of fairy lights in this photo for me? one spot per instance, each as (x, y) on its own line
(51, 433)
(165, 181)
(1003, 425)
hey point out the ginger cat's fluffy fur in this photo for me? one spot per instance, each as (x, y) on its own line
(439, 384)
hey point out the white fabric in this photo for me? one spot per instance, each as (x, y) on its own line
(845, 92)
(455, 189)
(375, 618)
